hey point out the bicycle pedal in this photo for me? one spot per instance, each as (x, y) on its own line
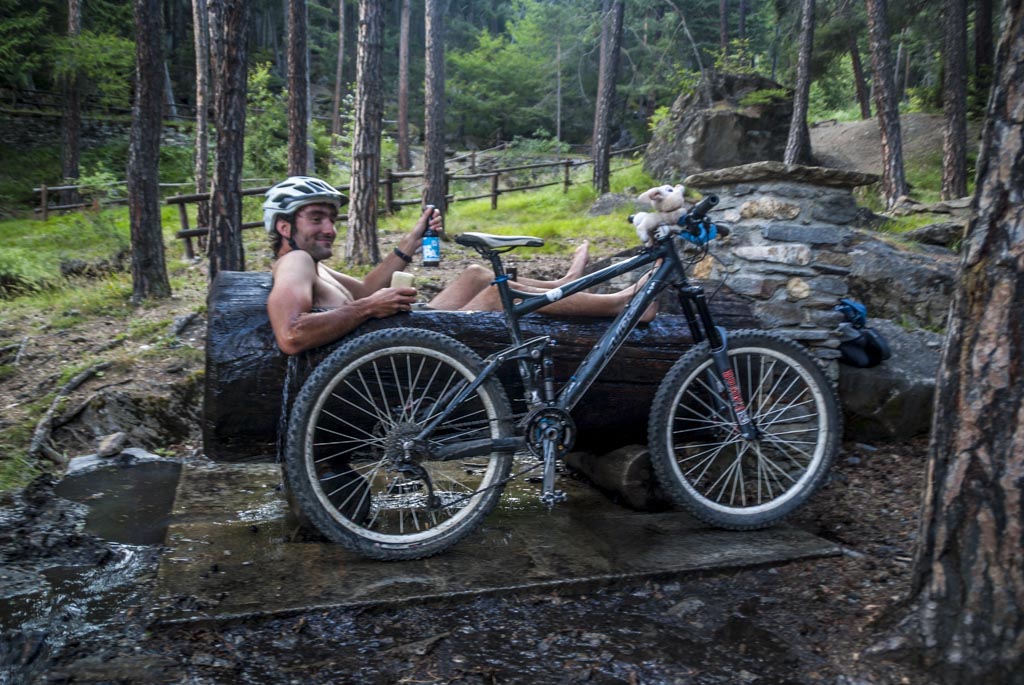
(552, 498)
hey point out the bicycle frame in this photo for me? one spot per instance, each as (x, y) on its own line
(517, 304)
(670, 272)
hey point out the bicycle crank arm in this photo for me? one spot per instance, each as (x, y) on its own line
(477, 448)
(549, 496)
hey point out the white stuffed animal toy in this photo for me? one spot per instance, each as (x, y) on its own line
(669, 204)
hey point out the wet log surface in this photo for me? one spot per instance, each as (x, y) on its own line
(245, 371)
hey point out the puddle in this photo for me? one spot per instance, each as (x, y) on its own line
(84, 567)
(127, 504)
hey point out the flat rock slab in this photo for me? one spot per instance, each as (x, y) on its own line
(228, 555)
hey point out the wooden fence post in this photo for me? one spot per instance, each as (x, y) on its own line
(389, 192)
(183, 215)
(44, 203)
(472, 162)
(567, 182)
(494, 191)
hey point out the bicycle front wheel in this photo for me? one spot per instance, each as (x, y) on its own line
(351, 460)
(704, 462)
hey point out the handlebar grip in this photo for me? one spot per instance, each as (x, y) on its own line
(703, 207)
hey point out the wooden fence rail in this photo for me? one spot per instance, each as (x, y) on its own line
(390, 203)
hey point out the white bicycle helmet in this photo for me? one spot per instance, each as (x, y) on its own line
(298, 191)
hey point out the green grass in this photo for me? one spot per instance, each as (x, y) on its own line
(559, 218)
(925, 175)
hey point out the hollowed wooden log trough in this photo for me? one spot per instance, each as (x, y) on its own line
(245, 371)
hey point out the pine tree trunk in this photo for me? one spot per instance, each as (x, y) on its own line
(611, 39)
(954, 101)
(723, 26)
(361, 242)
(859, 81)
(71, 120)
(170, 106)
(149, 271)
(298, 89)
(894, 182)
(434, 181)
(404, 158)
(741, 21)
(558, 89)
(201, 40)
(968, 582)
(229, 22)
(798, 144)
(338, 73)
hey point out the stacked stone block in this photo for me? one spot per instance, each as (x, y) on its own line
(790, 248)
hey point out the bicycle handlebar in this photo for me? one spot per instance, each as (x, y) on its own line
(703, 207)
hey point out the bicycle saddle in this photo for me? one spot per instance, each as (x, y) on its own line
(473, 239)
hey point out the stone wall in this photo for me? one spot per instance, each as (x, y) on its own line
(791, 244)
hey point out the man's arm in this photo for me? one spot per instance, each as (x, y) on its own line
(380, 276)
(297, 328)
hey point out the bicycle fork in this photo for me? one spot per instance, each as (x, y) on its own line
(728, 397)
(731, 387)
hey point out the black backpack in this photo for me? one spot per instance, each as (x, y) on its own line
(860, 345)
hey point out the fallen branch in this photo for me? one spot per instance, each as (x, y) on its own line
(39, 445)
(21, 350)
(181, 323)
(69, 416)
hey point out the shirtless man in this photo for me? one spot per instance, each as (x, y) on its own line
(311, 304)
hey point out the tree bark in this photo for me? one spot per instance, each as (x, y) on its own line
(798, 144)
(361, 242)
(71, 120)
(434, 181)
(298, 90)
(339, 72)
(954, 101)
(741, 21)
(894, 182)
(611, 39)
(404, 158)
(149, 271)
(229, 21)
(968, 581)
(859, 81)
(201, 39)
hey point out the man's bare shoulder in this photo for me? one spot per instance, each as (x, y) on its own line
(295, 264)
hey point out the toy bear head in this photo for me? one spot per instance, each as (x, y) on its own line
(665, 198)
(669, 204)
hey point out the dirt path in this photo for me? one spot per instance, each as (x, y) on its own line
(857, 145)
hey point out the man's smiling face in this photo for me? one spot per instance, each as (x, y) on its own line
(314, 230)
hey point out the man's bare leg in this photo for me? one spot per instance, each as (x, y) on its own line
(476, 279)
(580, 304)
(577, 268)
(460, 292)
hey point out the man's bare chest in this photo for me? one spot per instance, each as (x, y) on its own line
(328, 293)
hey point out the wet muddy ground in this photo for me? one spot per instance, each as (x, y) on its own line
(76, 607)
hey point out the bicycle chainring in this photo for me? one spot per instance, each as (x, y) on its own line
(545, 421)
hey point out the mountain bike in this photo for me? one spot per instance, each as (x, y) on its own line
(401, 441)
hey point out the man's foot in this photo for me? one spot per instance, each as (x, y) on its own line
(580, 259)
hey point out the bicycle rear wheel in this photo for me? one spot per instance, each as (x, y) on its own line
(708, 467)
(350, 460)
